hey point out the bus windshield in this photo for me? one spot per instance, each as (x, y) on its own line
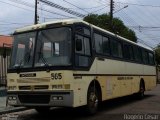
(23, 49)
(52, 48)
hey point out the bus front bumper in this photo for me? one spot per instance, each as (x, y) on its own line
(40, 98)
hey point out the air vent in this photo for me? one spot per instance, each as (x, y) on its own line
(24, 87)
(36, 87)
(41, 87)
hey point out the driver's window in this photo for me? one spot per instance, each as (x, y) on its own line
(82, 45)
(79, 44)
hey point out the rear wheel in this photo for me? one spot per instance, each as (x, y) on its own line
(92, 101)
(140, 94)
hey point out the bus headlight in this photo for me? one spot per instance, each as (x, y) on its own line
(12, 87)
(12, 100)
(57, 98)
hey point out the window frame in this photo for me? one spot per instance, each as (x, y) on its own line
(121, 43)
(79, 54)
(145, 52)
(139, 60)
(153, 58)
(131, 56)
(95, 31)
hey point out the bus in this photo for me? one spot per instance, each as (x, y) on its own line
(71, 63)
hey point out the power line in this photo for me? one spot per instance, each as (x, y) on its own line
(94, 7)
(146, 27)
(100, 2)
(98, 10)
(144, 42)
(62, 8)
(133, 23)
(139, 4)
(16, 6)
(32, 6)
(13, 23)
(75, 6)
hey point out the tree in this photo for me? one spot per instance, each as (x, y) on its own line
(157, 55)
(118, 26)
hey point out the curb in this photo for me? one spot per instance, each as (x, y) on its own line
(13, 109)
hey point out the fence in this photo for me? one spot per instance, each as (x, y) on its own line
(4, 63)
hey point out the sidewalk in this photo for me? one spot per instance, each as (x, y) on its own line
(7, 109)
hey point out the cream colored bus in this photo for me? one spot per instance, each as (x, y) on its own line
(71, 63)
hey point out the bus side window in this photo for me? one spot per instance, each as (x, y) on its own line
(101, 44)
(128, 52)
(82, 51)
(151, 58)
(145, 57)
(79, 44)
(98, 43)
(105, 45)
(137, 54)
(116, 49)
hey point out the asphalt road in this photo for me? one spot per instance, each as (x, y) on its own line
(125, 108)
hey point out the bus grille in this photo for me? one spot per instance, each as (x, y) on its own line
(34, 99)
(35, 87)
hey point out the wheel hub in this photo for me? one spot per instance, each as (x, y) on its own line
(93, 100)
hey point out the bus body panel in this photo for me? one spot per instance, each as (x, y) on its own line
(117, 76)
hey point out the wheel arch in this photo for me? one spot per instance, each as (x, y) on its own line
(142, 82)
(96, 84)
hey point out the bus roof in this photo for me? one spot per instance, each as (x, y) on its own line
(72, 21)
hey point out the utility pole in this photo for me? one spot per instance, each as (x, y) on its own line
(36, 16)
(111, 12)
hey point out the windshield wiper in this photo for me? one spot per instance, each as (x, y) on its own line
(44, 61)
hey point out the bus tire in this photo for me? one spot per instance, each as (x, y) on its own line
(92, 100)
(140, 94)
(42, 109)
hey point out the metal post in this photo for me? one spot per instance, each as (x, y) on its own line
(36, 16)
(111, 13)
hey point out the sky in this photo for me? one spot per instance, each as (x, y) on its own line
(142, 16)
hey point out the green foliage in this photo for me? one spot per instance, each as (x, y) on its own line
(118, 26)
(157, 55)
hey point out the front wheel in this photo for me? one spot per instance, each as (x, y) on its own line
(92, 101)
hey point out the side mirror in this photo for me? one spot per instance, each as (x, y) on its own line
(4, 52)
(78, 45)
